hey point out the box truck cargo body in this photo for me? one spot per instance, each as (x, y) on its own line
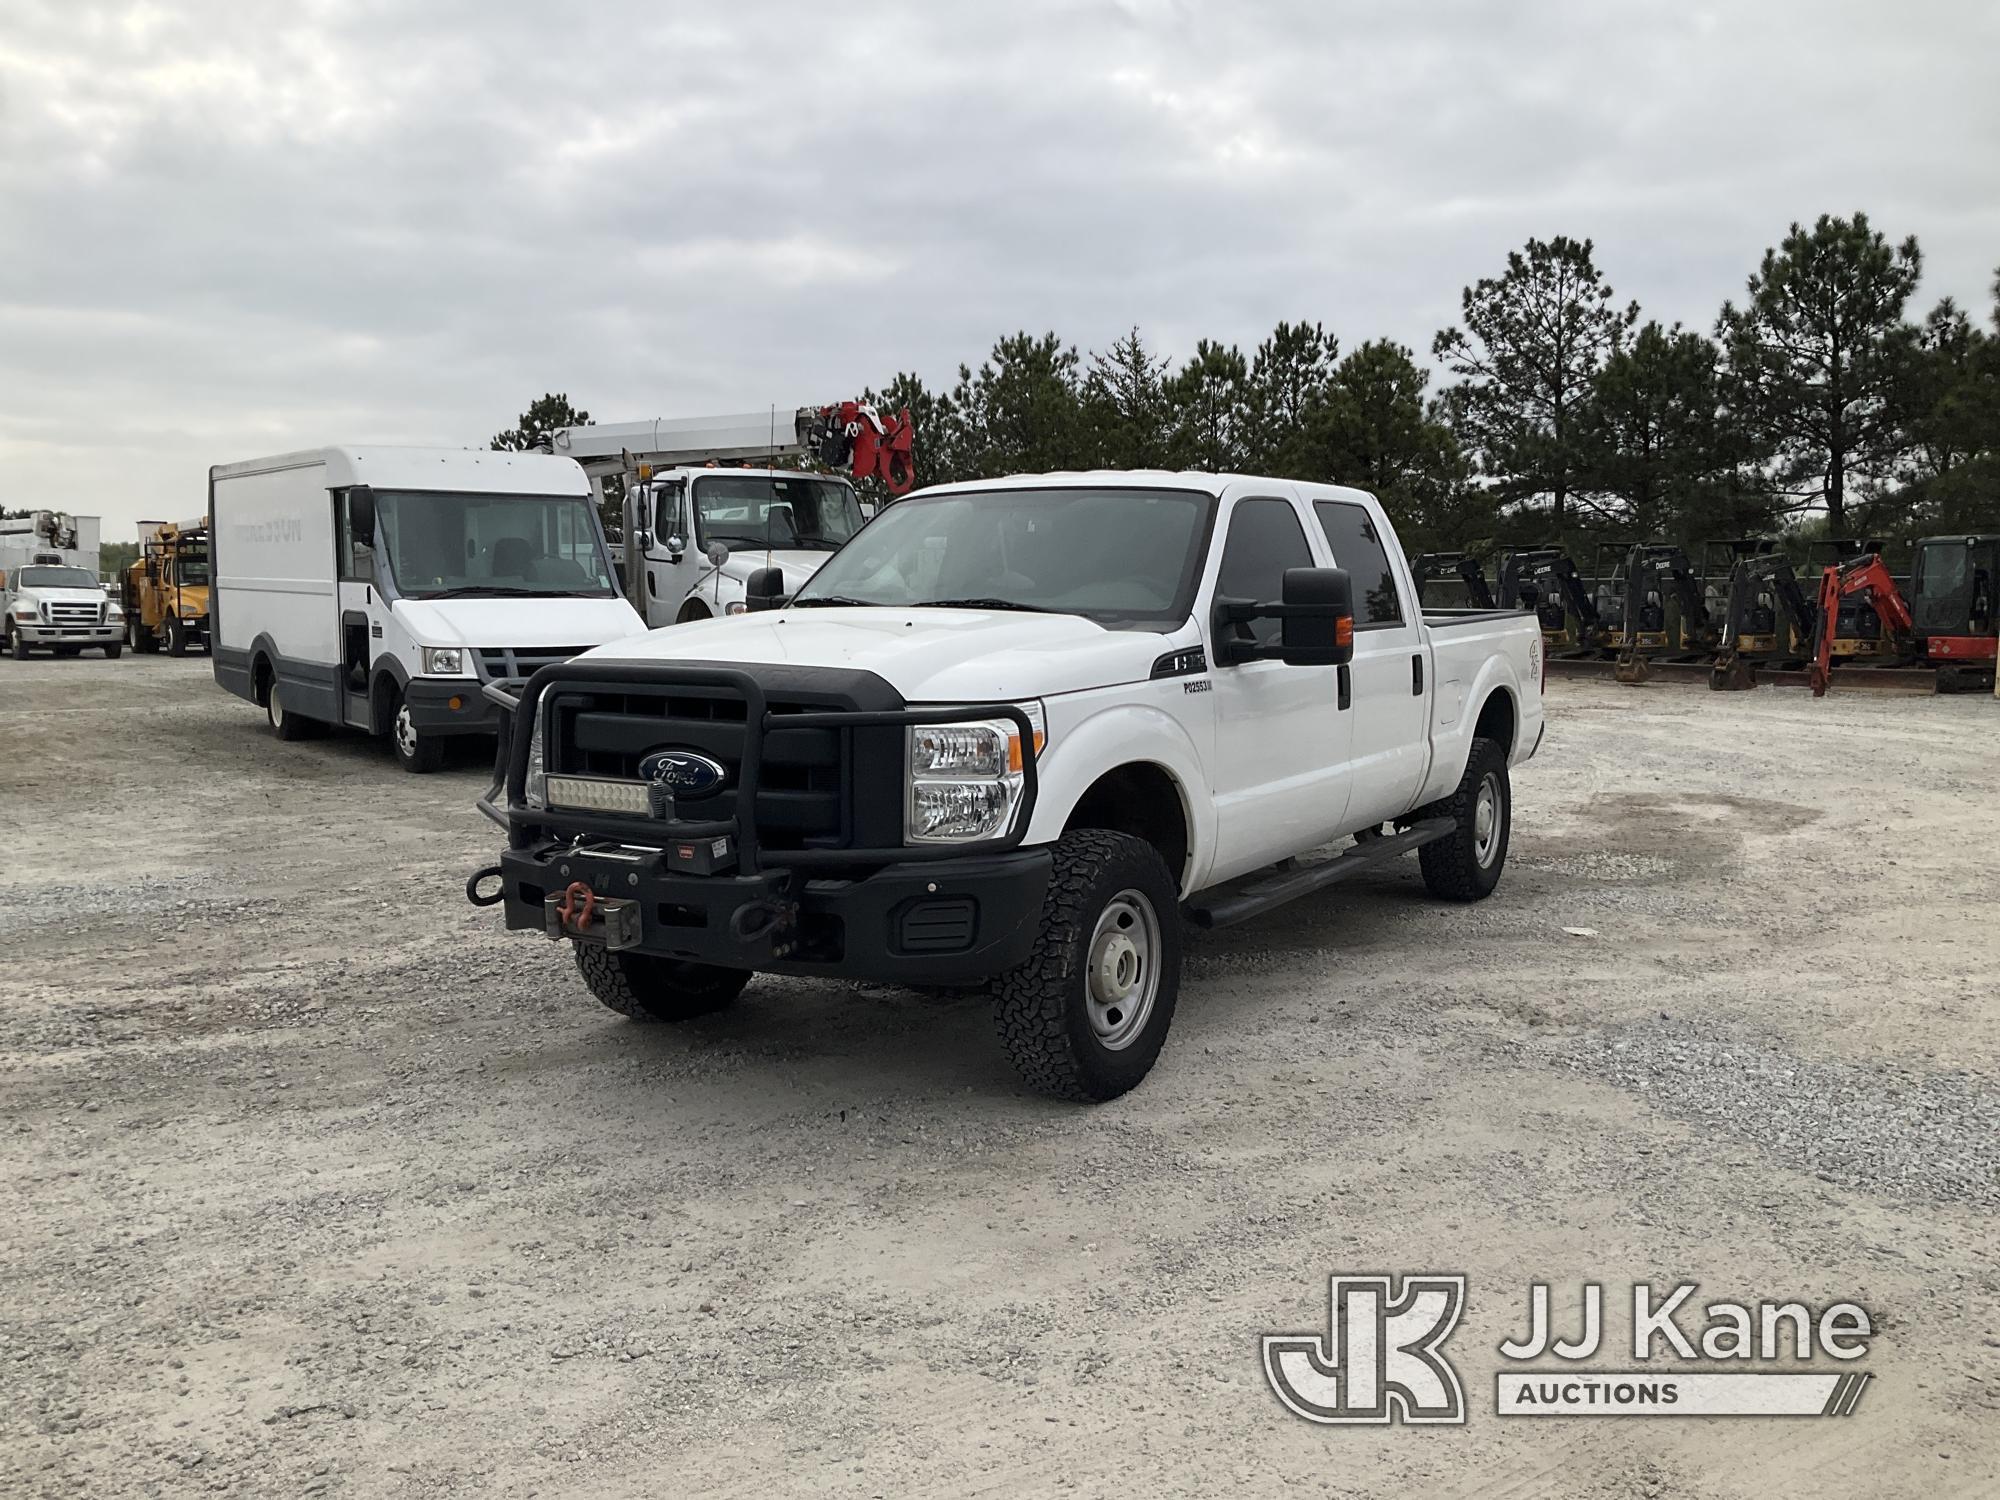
(380, 588)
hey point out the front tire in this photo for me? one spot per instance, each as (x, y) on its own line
(17, 647)
(417, 753)
(1085, 1017)
(646, 988)
(177, 636)
(1466, 865)
(113, 652)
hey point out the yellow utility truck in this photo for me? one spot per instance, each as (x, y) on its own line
(166, 588)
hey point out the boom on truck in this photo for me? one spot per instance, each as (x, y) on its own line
(694, 531)
(165, 590)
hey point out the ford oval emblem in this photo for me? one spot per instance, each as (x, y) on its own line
(683, 772)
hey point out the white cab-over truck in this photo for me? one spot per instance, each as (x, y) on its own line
(50, 596)
(694, 531)
(380, 588)
(1010, 735)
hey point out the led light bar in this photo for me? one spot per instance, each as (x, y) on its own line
(597, 794)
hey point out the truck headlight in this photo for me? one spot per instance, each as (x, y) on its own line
(965, 779)
(535, 796)
(443, 661)
(113, 612)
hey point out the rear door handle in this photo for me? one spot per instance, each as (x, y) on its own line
(1417, 676)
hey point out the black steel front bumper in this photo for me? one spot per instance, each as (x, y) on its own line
(938, 922)
(941, 914)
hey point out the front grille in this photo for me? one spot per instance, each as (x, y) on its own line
(817, 788)
(76, 614)
(502, 663)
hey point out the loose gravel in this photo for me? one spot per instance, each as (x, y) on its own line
(319, 1183)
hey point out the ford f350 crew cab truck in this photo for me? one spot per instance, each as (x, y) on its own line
(1010, 734)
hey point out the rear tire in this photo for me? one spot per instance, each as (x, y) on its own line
(1086, 1016)
(1466, 866)
(139, 637)
(285, 724)
(646, 988)
(417, 753)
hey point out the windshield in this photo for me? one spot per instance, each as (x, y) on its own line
(48, 577)
(1132, 555)
(191, 567)
(760, 510)
(445, 543)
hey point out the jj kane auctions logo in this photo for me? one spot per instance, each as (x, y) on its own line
(1381, 1358)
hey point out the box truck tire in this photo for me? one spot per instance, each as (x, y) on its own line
(418, 753)
(284, 724)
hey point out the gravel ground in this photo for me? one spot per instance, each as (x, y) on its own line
(319, 1183)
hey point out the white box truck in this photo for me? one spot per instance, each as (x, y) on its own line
(380, 588)
(50, 596)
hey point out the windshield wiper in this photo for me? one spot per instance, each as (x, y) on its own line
(835, 601)
(485, 591)
(814, 541)
(1033, 609)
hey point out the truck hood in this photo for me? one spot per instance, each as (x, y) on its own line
(557, 621)
(927, 655)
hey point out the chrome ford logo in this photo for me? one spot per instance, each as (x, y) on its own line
(683, 772)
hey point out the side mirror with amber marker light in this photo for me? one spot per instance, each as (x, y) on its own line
(1316, 625)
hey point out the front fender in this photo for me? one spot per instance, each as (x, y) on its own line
(1122, 735)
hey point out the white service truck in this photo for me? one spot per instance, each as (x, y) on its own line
(50, 595)
(380, 588)
(1008, 735)
(701, 514)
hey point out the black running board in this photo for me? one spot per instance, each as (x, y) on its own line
(1225, 909)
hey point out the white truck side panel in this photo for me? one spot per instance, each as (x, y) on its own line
(274, 534)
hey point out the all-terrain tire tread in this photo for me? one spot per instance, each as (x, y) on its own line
(1029, 1001)
(610, 978)
(1451, 872)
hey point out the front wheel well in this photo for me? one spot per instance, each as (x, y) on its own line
(693, 610)
(1143, 800)
(1496, 720)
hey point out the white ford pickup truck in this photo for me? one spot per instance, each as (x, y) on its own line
(1011, 734)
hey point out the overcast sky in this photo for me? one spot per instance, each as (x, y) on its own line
(223, 236)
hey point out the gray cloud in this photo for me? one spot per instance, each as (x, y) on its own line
(223, 234)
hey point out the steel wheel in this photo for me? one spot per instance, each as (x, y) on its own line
(406, 732)
(1124, 969)
(1486, 821)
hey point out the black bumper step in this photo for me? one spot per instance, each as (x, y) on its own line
(1226, 908)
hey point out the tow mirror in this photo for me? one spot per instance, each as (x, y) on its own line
(1317, 622)
(765, 589)
(361, 514)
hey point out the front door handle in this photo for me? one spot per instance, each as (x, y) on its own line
(1417, 676)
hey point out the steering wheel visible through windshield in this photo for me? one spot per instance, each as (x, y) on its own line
(1115, 555)
(760, 510)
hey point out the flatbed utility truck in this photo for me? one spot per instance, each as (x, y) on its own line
(705, 504)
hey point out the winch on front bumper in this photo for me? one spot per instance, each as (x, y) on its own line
(728, 891)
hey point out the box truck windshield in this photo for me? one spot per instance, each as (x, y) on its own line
(759, 511)
(462, 545)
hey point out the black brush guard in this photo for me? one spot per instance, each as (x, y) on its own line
(505, 800)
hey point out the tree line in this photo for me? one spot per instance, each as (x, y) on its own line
(1815, 403)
